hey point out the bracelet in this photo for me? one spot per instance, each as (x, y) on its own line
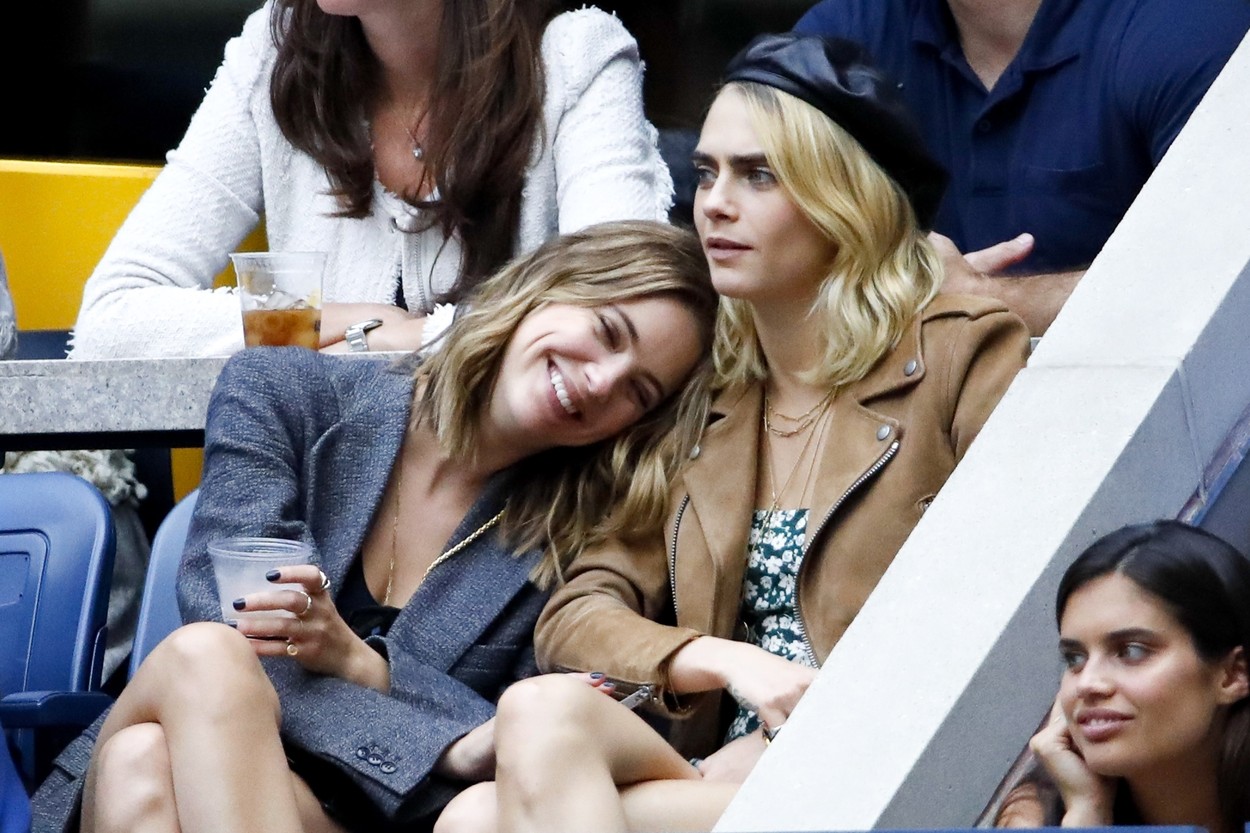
(769, 734)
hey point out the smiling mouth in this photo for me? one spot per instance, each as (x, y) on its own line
(1101, 724)
(562, 393)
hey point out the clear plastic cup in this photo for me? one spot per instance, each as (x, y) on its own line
(240, 565)
(280, 297)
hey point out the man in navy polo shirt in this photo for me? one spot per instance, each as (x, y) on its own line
(1049, 114)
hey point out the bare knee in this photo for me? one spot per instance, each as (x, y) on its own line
(212, 668)
(133, 781)
(546, 719)
(472, 811)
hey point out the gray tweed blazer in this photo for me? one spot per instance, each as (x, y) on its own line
(301, 445)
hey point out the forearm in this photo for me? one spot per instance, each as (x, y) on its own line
(703, 664)
(1035, 298)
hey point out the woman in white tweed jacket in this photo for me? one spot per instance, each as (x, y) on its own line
(419, 144)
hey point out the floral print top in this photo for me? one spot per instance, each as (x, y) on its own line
(769, 611)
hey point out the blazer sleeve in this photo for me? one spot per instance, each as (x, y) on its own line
(266, 411)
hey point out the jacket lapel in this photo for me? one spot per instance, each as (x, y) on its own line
(352, 461)
(466, 593)
(859, 435)
(721, 483)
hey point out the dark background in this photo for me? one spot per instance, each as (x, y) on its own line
(119, 79)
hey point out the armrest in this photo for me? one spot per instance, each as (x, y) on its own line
(30, 709)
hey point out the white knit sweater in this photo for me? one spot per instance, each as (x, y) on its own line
(151, 293)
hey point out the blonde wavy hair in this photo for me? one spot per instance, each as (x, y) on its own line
(884, 271)
(573, 498)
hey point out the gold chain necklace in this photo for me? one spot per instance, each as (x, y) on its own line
(804, 421)
(772, 473)
(448, 553)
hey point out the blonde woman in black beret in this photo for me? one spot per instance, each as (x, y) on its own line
(849, 390)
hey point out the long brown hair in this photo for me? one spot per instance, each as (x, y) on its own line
(485, 113)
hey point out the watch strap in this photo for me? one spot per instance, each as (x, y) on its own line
(355, 335)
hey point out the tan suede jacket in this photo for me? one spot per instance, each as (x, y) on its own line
(894, 438)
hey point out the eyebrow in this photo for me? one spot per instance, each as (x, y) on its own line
(737, 161)
(1122, 635)
(658, 389)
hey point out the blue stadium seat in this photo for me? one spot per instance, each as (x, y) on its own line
(56, 564)
(14, 805)
(158, 612)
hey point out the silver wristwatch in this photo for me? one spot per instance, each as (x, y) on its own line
(355, 334)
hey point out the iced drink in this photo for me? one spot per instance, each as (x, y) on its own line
(280, 297)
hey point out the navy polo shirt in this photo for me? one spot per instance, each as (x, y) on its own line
(1072, 129)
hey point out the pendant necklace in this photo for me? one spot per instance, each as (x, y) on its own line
(446, 554)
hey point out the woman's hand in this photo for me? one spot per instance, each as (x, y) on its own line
(317, 637)
(400, 330)
(1088, 798)
(762, 682)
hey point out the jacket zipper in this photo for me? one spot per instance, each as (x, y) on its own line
(422, 296)
(672, 554)
(861, 480)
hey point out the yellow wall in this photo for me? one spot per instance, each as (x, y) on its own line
(56, 220)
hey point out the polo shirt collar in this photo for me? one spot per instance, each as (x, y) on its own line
(1053, 38)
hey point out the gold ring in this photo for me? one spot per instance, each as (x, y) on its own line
(307, 605)
(325, 581)
(292, 649)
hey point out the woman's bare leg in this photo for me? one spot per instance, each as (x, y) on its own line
(134, 789)
(562, 749)
(671, 806)
(676, 806)
(474, 810)
(206, 690)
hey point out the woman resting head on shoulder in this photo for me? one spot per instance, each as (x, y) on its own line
(848, 390)
(1152, 722)
(441, 499)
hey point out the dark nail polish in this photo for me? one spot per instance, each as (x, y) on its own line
(596, 675)
(239, 604)
(234, 623)
(608, 685)
(273, 575)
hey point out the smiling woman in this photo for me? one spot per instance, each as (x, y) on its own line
(441, 499)
(1152, 721)
(848, 391)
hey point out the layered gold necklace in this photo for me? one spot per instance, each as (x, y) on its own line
(814, 417)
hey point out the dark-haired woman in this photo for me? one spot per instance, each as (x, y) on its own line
(420, 143)
(1152, 722)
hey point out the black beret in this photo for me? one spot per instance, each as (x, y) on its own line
(836, 77)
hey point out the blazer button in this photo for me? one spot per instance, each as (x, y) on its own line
(374, 760)
(910, 368)
(387, 767)
(883, 432)
(362, 753)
